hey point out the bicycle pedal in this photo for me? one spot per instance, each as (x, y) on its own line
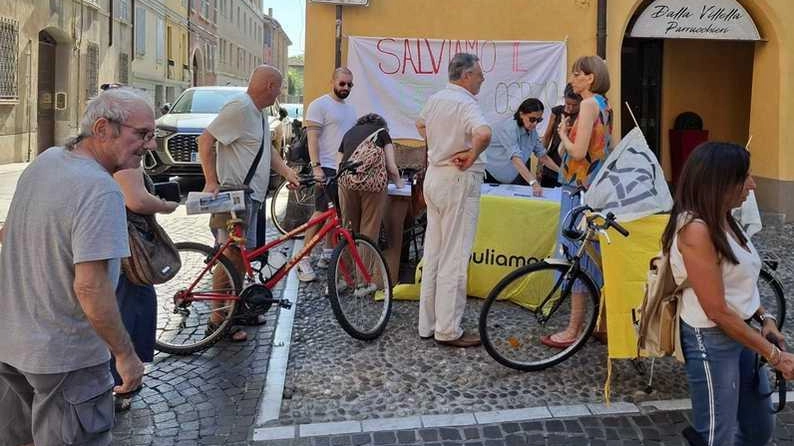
(285, 304)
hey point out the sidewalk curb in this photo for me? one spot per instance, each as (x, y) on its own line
(466, 419)
(270, 407)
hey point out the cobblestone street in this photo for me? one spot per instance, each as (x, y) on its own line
(400, 389)
(207, 398)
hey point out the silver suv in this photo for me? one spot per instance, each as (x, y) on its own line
(177, 130)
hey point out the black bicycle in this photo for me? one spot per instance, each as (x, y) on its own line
(539, 299)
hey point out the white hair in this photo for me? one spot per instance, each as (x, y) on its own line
(461, 63)
(113, 104)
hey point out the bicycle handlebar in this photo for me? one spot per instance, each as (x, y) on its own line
(345, 168)
(609, 221)
(615, 225)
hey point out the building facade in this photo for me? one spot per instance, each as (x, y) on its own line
(740, 88)
(275, 46)
(160, 63)
(203, 41)
(240, 26)
(53, 57)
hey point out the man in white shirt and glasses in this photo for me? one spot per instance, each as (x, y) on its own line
(457, 133)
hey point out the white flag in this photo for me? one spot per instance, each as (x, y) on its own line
(631, 184)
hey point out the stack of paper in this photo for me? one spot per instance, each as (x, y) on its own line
(205, 202)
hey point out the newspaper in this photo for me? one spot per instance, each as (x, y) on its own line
(206, 203)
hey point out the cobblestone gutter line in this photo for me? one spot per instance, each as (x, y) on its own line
(470, 419)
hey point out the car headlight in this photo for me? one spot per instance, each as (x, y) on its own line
(163, 133)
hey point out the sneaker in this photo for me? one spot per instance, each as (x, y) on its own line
(305, 271)
(365, 290)
(325, 259)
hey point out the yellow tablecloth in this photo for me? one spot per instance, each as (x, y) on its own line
(510, 232)
(625, 264)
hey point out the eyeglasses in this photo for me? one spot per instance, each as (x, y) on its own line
(533, 119)
(143, 133)
(345, 84)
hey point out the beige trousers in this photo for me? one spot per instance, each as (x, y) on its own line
(453, 205)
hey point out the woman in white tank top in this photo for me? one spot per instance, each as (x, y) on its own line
(708, 248)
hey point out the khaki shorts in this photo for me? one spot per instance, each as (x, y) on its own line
(249, 216)
(70, 408)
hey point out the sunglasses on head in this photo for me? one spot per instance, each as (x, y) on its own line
(346, 84)
(533, 119)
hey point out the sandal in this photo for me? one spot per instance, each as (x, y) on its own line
(230, 335)
(252, 320)
(122, 402)
(549, 341)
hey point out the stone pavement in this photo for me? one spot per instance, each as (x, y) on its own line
(345, 387)
(651, 429)
(373, 391)
(207, 398)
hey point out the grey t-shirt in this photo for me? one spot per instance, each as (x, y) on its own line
(66, 209)
(238, 129)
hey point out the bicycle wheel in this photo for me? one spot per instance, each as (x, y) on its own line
(182, 322)
(361, 306)
(290, 208)
(772, 297)
(532, 302)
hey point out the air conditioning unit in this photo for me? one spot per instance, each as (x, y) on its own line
(344, 2)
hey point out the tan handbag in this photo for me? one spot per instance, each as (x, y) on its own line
(153, 257)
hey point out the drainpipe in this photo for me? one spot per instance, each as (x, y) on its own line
(29, 54)
(338, 59)
(110, 24)
(132, 34)
(601, 29)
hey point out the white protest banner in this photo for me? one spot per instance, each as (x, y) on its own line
(395, 76)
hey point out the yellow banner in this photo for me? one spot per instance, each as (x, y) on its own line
(625, 263)
(510, 233)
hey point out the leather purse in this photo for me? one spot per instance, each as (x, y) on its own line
(153, 258)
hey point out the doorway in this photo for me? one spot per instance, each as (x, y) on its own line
(641, 87)
(45, 117)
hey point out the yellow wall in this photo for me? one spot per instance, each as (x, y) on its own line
(692, 76)
(712, 79)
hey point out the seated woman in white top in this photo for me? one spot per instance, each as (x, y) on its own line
(708, 247)
(513, 142)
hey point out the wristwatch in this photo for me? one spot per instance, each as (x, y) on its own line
(767, 315)
(314, 164)
(533, 182)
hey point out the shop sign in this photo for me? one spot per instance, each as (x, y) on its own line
(695, 19)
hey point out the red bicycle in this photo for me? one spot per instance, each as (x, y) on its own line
(359, 287)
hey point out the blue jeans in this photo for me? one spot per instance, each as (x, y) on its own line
(728, 407)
